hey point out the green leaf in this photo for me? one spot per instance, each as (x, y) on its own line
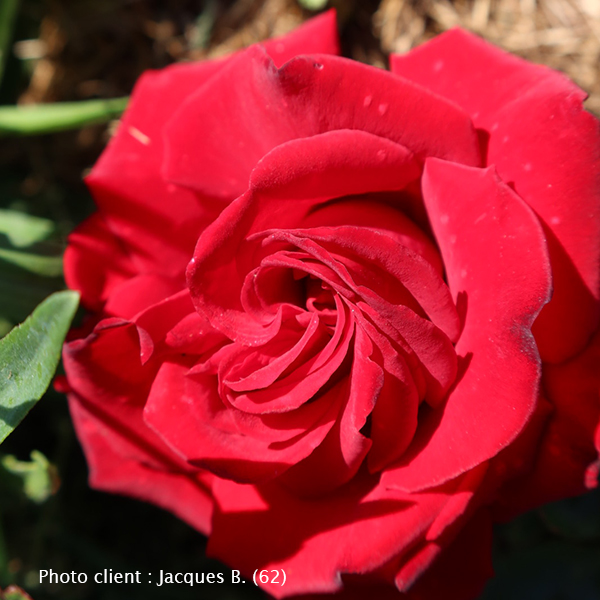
(22, 229)
(40, 477)
(8, 14)
(47, 266)
(29, 355)
(48, 118)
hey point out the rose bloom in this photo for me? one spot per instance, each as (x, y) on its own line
(343, 319)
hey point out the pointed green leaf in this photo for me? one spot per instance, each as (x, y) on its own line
(22, 229)
(29, 355)
(48, 118)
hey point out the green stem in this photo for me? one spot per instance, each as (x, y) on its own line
(48, 118)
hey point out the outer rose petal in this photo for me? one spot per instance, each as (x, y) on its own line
(566, 198)
(463, 567)
(357, 529)
(566, 453)
(156, 222)
(95, 262)
(251, 107)
(186, 495)
(118, 445)
(495, 397)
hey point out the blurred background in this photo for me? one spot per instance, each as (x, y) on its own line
(93, 50)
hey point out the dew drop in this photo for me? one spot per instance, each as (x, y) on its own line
(382, 109)
(367, 101)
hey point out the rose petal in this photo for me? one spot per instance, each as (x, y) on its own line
(109, 359)
(461, 569)
(95, 262)
(251, 107)
(187, 495)
(189, 415)
(501, 268)
(139, 293)
(337, 534)
(214, 275)
(337, 459)
(566, 198)
(567, 449)
(369, 210)
(157, 223)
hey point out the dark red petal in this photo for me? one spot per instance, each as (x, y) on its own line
(185, 494)
(397, 401)
(95, 263)
(553, 163)
(189, 415)
(437, 360)
(496, 262)
(214, 274)
(355, 530)
(157, 223)
(375, 266)
(563, 186)
(250, 107)
(461, 569)
(109, 386)
(258, 380)
(369, 211)
(139, 293)
(328, 165)
(439, 66)
(567, 447)
(194, 335)
(337, 459)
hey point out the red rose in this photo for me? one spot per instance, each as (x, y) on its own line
(322, 330)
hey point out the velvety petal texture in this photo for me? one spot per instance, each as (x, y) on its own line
(518, 93)
(342, 319)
